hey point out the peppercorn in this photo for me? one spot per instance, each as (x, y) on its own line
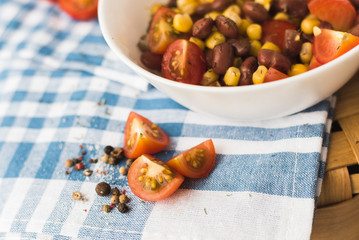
(113, 161)
(108, 149)
(106, 208)
(114, 199)
(123, 198)
(117, 153)
(93, 160)
(87, 172)
(122, 207)
(76, 195)
(104, 158)
(69, 163)
(123, 170)
(103, 189)
(129, 162)
(83, 152)
(116, 192)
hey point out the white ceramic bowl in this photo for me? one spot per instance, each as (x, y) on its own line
(123, 22)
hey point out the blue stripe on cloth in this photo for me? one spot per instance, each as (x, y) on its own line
(17, 162)
(37, 123)
(7, 121)
(78, 57)
(274, 174)
(51, 157)
(6, 185)
(161, 103)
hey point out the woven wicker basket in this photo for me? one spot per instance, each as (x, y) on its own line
(337, 216)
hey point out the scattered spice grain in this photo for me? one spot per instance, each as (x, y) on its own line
(103, 189)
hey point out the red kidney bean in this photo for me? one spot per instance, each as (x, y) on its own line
(227, 26)
(355, 30)
(292, 43)
(241, 46)
(202, 28)
(151, 60)
(248, 67)
(222, 57)
(203, 9)
(271, 58)
(296, 8)
(355, 3)
(255, 12)
(171, 3)
(326, 25)
(220, 5)
(209, 57)
(306, 37)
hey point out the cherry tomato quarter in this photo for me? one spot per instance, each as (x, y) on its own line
(143, 136)
(195, 162)
(184, 62)
(151, 179)
(339, 13)
(330, 44)
(274, 75)
(80, 9)
(274, 31)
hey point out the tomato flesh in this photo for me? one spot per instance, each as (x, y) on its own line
(80, 9)
(274, 75)
(143, 136)
(274, 31)
(313, 63)
(184, 62)
(330, 44)
(195, 162)
(339, 13)
(151, 179)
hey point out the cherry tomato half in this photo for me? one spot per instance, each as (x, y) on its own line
(162, 33)
(80, 9)
(151, 179)
(184, 62)
(274, 31)
(274, 75)
(330, 44)
(339, 13)
(196, 162)
(143, 136)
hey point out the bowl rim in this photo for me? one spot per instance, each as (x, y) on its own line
(254, 87)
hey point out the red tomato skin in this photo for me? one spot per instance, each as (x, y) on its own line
(81, 14)
(313, 63)
(274, 31)
(190, 58)
(274, 75)
(328, 45)
(339, 13)
(136, 187)
(147, 144)
(179, 163)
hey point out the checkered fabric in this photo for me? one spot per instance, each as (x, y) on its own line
(60, 87)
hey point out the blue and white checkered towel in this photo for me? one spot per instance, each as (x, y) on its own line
(57, 92)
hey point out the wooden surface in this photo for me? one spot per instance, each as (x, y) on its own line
(337, 215)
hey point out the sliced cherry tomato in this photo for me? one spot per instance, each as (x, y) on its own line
(339, 13)
(151, 179)
(162, 33)
(274, 31)
(196, 162)
(80, 9)
(330, 44)
(274, 75)
(313, 63)
(184, 62)
(143, 136)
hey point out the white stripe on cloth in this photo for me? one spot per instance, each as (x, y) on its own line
(14, 203)
(191, 214)
(45, 206)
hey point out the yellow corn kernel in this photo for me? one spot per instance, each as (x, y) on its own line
(254, 31)
(231, 78)
(281, 16)
(155, 7)
(237, 62)
(234, 17)
(187, 6)
(240, 2)
(259, 75)
(182, 22)
(306, 52)
(255, 47)
(270, 46)
(205, 1)
(243, 26)
(214, 39)
(234, 8)
(308, 24)
(212, 15)
(264, 3)
(209, 78)
(198, 42)
(297, 69)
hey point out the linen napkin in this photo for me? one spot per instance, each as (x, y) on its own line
(264, 184)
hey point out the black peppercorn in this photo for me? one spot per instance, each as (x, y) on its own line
(113, 161)
(116, 192)
(108, 149)
(117, 153)
(103, 189)
(122, 207)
